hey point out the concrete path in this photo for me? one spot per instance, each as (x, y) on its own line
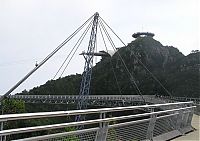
(192, 136)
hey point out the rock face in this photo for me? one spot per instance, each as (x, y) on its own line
(145, 59)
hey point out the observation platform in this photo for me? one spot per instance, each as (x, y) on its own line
(102, 53)
(143, 34)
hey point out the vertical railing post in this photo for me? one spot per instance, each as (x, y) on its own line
(151, 126)
(103, 129)
(185, 118)
(190, 115)
(179, 121)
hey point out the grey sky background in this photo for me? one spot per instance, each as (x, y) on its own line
(31, 29)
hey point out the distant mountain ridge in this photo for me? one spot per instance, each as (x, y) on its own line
(179, 74)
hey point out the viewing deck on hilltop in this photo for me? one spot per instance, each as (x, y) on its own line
(139, 34)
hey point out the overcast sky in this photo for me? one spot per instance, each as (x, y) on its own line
(31, 29)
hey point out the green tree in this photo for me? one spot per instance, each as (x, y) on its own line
(12, 106)
(70, 137)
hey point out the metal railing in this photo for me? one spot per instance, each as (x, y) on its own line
(110, 124)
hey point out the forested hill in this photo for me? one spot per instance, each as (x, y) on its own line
(179, 74)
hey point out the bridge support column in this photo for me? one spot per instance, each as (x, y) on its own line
(103, 129)
(151, 126)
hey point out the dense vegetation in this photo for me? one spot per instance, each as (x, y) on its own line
(12, 106)
(179, 74)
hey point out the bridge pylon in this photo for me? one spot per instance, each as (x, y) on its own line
(87, 73)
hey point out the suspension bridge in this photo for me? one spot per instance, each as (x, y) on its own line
(123, 118)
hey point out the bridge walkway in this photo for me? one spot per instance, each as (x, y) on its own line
(192, 136)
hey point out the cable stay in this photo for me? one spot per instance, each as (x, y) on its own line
(45, 60)
(153, 76)
(124, 64)
(75, 48)
(119, 89)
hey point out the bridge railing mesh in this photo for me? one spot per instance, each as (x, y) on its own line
(132, 123)
(87, 136)
(128, 132)
(164, 125)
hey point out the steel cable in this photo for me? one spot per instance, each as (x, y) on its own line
(138, 59)
(124, 64)
(72, 51)
(110, 61)
(46, 59)
(80, 39)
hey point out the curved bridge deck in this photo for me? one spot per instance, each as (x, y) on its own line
(116, 100)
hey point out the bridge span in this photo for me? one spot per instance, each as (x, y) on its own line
(101, 100)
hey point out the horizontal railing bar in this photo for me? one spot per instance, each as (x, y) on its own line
(58, 135)
(45, 127)
(160, 117)
(142, 115)
(80, 112)
(138, 121)
(128, 123)
(62, 125)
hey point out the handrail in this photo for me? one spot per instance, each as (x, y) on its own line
(173, 118)
(10, 117)
(62, 125)
(139, 121)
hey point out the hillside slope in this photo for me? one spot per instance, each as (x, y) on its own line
(179, 74)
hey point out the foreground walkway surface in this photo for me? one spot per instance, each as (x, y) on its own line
(192, 136)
